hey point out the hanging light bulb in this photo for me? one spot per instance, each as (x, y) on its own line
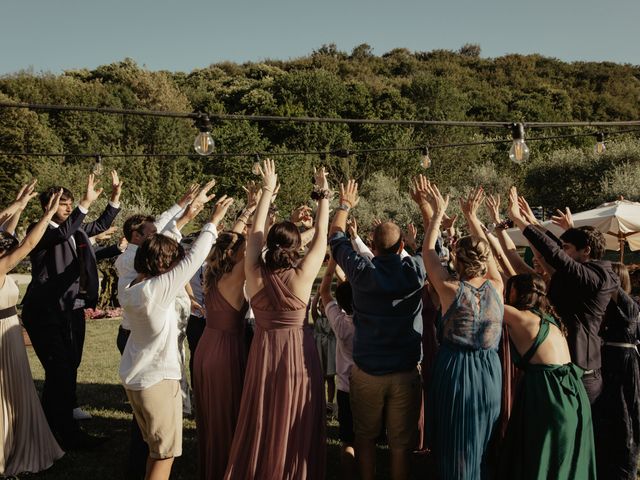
(425, 160)
(600, 147)
(519, 152)
(98, 168)
(204, 144)
(255, 169)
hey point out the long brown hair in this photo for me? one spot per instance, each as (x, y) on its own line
(283, 247)
(221, 260)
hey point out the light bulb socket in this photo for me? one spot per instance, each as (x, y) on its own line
(600, 137)
(517, 131)
(203, 123)
(98, 158)
(256, 157)
(424, 151)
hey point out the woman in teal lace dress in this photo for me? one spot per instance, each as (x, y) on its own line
(465, 392)
(550, 435)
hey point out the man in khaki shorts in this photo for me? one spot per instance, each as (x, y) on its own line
(387, 304)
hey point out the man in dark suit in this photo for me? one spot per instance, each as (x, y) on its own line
(64, 281)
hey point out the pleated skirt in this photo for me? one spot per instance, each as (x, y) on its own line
(464, 400)
(27, 442)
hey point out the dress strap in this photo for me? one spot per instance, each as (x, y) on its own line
(542, 335)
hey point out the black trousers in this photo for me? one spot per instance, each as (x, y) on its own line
(138, 450)
(195, 329)
(58, 339)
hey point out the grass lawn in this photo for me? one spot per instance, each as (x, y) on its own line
(100, 393)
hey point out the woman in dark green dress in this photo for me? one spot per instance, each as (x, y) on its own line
(550, 435)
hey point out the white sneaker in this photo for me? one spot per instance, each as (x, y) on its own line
(79, 414)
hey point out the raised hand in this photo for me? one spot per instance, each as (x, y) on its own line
(222, 205)
(352, 227)
(52, 206)
(514, 207)
(563, 219)
(191, 212)
(320, 178)
(116, 187)
(473, 201)
(410, 237)
(418, 190)
(253, 194)
(26, 193)
(349, 194)
(526, 211)
(493, 208)
(189, 196)
(203, 194)
(302, 214)
(269, 176)
(436, 200)
(92, 193)
(106, 235)
(448, 222)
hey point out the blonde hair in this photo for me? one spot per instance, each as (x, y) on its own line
(472, 254)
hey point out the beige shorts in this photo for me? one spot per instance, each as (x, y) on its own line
(394, 397)
(158, 411)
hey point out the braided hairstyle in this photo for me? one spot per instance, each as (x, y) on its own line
(283, 247)
(221, 259)
(471, 256)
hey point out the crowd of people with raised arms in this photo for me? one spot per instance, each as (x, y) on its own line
(457, 349)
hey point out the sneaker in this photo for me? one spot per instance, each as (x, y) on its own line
(79, 414)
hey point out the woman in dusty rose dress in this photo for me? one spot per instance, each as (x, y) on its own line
(280, 432)
(221, 356)
(27, 444)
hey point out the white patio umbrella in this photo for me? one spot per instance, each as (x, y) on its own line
(619, 221)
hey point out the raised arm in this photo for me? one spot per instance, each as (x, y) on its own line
(325, 285)
(253, 196)
(15, 256)
(103, 222)
(348, 200)
(470, 207)
(312, 261)
(257, 234)
(511, 255)
(23, 197)
(424, 192)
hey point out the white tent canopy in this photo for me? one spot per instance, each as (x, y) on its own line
(619, 221)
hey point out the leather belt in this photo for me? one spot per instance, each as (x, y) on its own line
(8, 312)
(621, 345)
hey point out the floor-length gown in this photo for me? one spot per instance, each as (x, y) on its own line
(27, 442)
(466, 385)
(550, 435)
(280, 434)
(218, 373)
(617, 411)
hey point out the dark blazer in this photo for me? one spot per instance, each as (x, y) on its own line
(56, 266)
(580, 293)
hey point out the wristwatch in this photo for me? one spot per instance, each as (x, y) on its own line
(344, 206)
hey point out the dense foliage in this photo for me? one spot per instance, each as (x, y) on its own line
(399, 84)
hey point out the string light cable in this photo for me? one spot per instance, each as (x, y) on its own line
(423, 150)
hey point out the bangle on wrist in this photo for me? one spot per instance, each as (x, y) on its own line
(321, 194)
(344, 206)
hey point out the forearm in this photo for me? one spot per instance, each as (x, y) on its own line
(500, 256)
(257, 234)
(242, 220)
(339, 223)
(11, 223)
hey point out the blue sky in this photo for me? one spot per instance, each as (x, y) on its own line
(54, 35)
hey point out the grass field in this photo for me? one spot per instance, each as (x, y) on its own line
(100, 393)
